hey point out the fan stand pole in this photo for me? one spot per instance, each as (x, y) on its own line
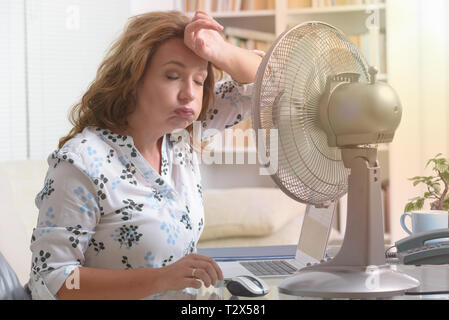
(359, 270)
(363, 244)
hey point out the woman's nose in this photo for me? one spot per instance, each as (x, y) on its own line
(187, 92)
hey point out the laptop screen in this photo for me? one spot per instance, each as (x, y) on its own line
(315, 231)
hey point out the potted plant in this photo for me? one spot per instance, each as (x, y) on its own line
(437, 187)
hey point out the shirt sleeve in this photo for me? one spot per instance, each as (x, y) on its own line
(232, 105)
(68, 214)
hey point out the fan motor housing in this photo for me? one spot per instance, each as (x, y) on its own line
(362, 113)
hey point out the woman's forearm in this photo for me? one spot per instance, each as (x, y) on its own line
(239, 63)
(113, 284)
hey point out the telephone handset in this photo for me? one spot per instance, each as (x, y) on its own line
(413, 249)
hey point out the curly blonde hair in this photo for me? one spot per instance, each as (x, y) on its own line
(109, 100)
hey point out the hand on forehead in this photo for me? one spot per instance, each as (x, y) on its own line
(174, 51)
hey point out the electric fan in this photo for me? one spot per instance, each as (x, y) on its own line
(315, 88)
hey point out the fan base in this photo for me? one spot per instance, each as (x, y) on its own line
(348, 282)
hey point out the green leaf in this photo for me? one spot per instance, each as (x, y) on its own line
(428, 162)
(441, 167)
(419, 203)
(428, 180)
(445, 175)
(437, 188)
(409, 207)
(446, 204)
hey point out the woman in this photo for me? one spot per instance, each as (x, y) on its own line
(121, 210)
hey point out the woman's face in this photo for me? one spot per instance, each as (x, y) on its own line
(171, 92)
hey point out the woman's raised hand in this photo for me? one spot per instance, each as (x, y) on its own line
(186, 272)
(202, 36)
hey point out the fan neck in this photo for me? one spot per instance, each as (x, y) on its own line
(350, 153)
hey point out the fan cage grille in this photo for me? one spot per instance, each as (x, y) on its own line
(288, 98)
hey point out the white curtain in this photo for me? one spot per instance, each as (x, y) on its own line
(13, 131)
(50, 52)
(67, 40)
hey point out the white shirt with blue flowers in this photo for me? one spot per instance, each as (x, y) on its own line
(104, 206)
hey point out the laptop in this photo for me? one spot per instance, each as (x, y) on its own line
(279, 261)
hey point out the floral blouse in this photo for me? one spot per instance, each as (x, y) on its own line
(104, 206)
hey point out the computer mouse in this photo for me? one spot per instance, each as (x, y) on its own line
(247, 286)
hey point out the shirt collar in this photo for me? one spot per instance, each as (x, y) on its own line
(131, 156)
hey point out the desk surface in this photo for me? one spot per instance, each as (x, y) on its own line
(433, 278)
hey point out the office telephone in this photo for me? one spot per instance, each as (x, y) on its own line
(414, 250)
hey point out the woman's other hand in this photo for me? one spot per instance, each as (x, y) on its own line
(202, 36)
(186, 272)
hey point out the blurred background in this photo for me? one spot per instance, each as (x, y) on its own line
(50, 50)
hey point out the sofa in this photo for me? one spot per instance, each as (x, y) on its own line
(247, 211)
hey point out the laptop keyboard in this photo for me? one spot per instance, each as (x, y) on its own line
(269, 267)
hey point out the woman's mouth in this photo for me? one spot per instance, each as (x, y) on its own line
(186, 113)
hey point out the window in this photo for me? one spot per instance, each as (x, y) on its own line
(66, 41)
(13, 137)
(51, 50)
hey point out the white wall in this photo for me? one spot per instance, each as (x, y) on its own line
(418, 69)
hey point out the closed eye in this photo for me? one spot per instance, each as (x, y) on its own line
(176, 77)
